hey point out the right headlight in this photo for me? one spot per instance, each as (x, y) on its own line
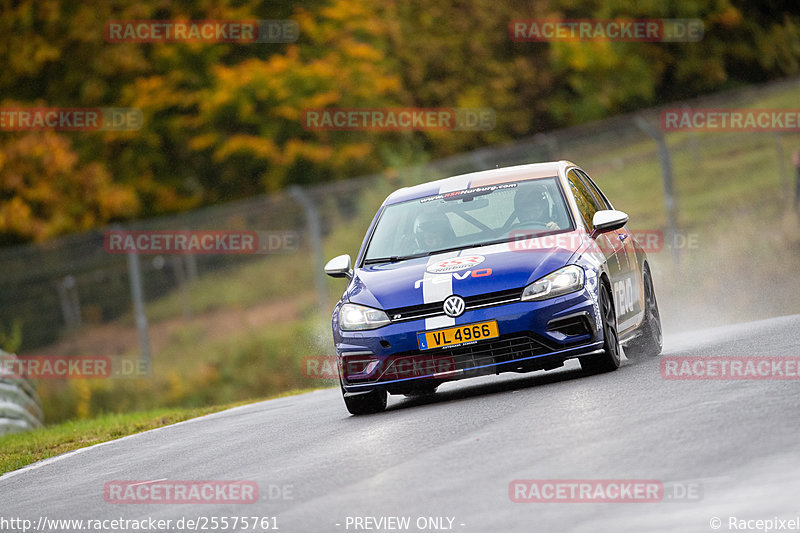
(354, 317)
(563, 281)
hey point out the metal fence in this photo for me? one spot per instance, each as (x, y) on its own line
(20, 409)
(71, 282)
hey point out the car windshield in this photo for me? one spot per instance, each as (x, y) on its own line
(467, 218)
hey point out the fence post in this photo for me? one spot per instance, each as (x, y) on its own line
(666, 174)
(785, 183)
(315, 236)
(796, 164)
(191, 267)
(177, 263)
(70, 303)
(137, 294)
(549, 143)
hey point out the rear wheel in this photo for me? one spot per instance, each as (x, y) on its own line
(649, 342)
(609, 359)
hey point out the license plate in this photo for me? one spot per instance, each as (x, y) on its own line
(457, 335)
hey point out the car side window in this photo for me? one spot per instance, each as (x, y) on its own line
(600, 198)
(583, 197)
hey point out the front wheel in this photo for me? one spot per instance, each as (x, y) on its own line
(609, 359)
(650, 341)
(367, 403)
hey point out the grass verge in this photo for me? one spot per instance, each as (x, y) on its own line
(21, 449)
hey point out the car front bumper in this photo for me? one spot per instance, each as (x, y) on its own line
(532, 336)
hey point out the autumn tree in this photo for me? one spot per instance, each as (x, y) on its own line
(223, 120)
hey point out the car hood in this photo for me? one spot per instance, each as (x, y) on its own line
(467, 272)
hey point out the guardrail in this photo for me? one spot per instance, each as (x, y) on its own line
(20, 408)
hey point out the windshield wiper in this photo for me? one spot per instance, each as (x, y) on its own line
(392, 259)
(477, 245)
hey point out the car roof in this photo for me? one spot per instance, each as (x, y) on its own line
(483, 178)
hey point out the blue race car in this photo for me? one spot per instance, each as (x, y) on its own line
(506, 270)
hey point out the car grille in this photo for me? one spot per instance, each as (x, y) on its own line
(444, 360)
(415, 312)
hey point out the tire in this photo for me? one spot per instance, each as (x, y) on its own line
(650, 341)
(365, 404)
(610, 358)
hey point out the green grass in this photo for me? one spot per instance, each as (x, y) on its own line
(20, 449)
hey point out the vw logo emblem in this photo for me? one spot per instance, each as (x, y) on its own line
(453, 306)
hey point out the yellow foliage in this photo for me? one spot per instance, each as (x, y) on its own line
(176, 386)
(51, 193)
(84, 398)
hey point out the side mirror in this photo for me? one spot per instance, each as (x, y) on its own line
(339, 267)
(609, 220)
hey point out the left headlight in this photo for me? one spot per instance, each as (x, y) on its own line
(563, 281)
(354, 317)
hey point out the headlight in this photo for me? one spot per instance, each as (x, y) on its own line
(353, 317)
(563, 281)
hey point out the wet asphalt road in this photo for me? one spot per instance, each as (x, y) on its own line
(449, 461)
